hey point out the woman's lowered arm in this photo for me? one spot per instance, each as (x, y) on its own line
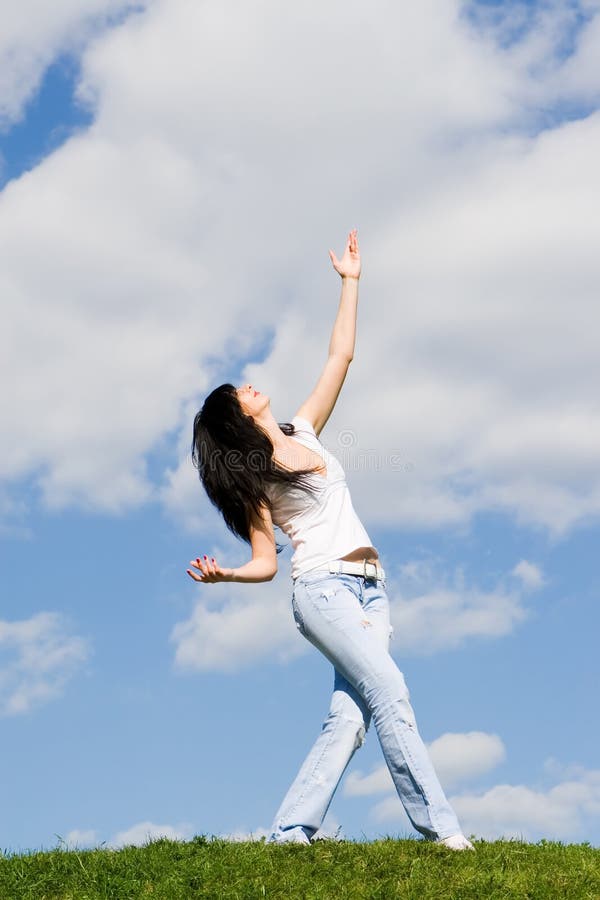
(262, 566)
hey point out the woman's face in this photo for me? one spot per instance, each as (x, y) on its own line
(251, 400)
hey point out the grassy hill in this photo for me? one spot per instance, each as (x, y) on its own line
(204, 867)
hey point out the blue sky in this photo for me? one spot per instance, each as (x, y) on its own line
(50, 117)
(172, 178)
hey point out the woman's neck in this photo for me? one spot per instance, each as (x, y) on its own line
(267, 421)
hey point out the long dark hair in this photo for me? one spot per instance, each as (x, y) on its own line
(234, 458)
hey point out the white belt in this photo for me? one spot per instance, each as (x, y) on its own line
(364, 568)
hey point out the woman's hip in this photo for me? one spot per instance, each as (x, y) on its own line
(342, 610)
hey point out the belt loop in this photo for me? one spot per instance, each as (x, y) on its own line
(365, 569)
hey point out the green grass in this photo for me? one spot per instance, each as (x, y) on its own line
(203, 867)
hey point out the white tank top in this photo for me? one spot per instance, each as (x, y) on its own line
(322, 525)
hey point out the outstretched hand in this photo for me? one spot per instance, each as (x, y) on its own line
(211, 572)
(349, 265)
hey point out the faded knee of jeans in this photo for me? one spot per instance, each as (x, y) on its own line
(360, 736)
(402, 700)
(360, 730)
(382, 697)
(406, 712)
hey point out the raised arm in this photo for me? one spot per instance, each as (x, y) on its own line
(319, 405)
(262, 566)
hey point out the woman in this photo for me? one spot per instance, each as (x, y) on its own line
(259, 473)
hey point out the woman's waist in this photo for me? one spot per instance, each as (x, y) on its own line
(366, 575)
(371, 569)
(369, 554)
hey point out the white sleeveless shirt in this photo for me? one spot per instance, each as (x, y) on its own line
(322, 525)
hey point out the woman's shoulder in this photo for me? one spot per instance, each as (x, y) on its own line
(303, 425)
(305, 433)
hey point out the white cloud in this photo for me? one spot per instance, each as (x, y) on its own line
(81, 838)
(566, 811)
(432, 610)
(529, 573)
(204, 197)
(39, 656)
(378, 781)
(552, 42)
(137, 835)
(456, 758)
(233, 626)
(463, 757)
(34, 33)
(579, 75)
(144, 832)
(444, 619)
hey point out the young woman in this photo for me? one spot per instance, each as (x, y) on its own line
(258, 473)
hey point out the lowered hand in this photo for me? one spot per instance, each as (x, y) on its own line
(211, 572)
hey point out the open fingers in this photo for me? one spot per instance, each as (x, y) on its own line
(193, 575)
(210, 565)
(207, 567)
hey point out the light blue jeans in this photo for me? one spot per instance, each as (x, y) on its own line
(347, 618)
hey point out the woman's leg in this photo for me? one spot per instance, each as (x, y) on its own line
(306, 803)
(336, 614)
(304, 806)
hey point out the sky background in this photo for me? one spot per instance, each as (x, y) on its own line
(172, 176)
